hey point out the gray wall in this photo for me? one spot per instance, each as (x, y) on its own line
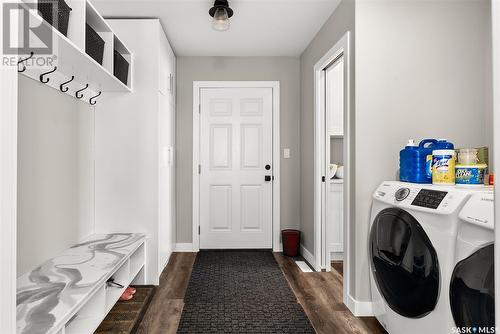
(341, 21)
(55, 173)
(422, 70)
(282, 69)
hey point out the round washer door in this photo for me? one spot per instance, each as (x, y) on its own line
(472, 290)
(404, 263)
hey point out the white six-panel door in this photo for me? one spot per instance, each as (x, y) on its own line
(235, 146)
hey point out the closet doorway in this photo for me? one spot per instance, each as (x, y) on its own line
(332, 177)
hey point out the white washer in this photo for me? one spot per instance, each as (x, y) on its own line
(413, 230)
(472, 289)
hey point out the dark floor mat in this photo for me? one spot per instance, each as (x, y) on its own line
(125, 316)
(240, 291)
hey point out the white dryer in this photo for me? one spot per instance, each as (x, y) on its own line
(472, 289)
(411, 252)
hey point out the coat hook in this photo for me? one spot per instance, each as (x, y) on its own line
(65, 89)
(44, 74)
(93, 97)
(21, 61)
(77, 93)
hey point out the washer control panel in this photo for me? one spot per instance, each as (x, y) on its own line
(426, 198)
(429, 198)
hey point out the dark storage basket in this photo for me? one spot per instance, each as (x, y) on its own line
(56, 13)
(94, 44)
(120, 69)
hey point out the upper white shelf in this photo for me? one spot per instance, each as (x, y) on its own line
(71, 58)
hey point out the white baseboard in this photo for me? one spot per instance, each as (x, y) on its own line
(359, 308)
(307, 256)
(183, 247)
(336, 256)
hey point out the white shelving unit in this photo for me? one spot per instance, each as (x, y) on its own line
(71, 59)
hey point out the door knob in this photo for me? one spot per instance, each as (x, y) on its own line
(268, 167)
(267, 178)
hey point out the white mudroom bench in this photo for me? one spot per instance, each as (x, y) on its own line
(69, 294)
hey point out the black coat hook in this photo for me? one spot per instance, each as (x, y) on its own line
(65, 89)
(44, 74)
(77, 93)
(21, 61)
(91, 100)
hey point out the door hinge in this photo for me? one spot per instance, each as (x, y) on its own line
(323, 179)
(199, 169)
(199, 108)
(199, 229)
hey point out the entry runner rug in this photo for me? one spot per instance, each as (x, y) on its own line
(240, 291)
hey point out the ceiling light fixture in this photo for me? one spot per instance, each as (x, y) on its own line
(221, 14)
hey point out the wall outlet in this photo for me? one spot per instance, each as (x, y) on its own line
(286, 153)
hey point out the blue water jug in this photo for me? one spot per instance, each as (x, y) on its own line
(442, 144)
(413, 161)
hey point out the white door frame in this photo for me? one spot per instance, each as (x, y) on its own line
(8, 196)
(495, 14)
(275, 86)
(342, 47)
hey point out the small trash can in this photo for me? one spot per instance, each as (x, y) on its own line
(291, 242)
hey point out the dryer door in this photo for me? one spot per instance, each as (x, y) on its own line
(404, 263)
(472, 290)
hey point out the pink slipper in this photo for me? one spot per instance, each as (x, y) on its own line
(126, 296)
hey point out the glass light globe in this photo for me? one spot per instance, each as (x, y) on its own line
(221, 20)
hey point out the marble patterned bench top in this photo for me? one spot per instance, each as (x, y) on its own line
(49, 295)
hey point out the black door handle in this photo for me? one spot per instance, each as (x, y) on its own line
(267, 178)
(268, 167)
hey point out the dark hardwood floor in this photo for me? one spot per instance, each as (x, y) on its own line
(320, 294)
(339, 267)
(165, 310)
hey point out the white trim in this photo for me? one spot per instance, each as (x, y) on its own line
(495, 15)
(342, 47)
(336, 256)
(279, 249)
(8, 196)
(183, 247)
(308, 257)
(275, 85)
(358, 308)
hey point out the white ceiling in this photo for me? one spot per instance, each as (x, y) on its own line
(258, 27)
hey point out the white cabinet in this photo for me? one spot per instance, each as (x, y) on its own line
(166, 100)
(134, 146)
(335, 98)
(335, 216)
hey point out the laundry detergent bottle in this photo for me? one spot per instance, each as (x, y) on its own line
(414, 165)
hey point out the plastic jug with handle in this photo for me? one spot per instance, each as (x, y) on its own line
(413, 163)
